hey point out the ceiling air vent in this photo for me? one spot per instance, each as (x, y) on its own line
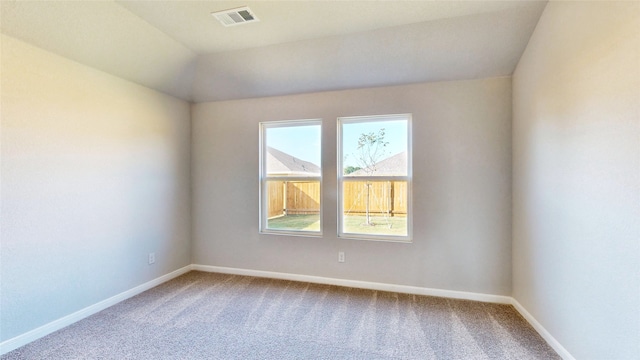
(234, 17)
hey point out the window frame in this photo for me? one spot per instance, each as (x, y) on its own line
(341, 178)
(264, 178)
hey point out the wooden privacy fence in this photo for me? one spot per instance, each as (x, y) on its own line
(303, 197)
(384, 197)
(293, 198)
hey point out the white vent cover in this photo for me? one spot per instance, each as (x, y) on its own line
(234, 17)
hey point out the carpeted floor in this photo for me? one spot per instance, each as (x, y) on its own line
(216, 316)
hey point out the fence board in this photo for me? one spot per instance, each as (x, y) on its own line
(303, 197)
(385, 197)
(275, 198)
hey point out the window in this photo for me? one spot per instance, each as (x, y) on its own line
(290, 177)
(374, 177)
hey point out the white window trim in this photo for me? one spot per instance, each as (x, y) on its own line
(408, 178)
(263, 178)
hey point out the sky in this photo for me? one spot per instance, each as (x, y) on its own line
(304, 142)
(395, 135)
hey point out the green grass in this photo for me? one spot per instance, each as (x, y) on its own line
(381, 226)
(295, 223)
(353, 224)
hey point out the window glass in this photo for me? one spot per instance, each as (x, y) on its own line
(375, 177)
(291, 177)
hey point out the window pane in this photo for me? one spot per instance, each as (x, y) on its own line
(375, 207)
(290, 177)
(293, 151)
(293, 205)
(375, 148)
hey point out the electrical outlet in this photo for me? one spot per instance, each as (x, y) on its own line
(152, 258)
(341, 256)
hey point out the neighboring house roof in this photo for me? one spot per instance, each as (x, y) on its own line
(281, 163)
(395, 165)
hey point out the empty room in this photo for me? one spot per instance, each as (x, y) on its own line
(320, 179)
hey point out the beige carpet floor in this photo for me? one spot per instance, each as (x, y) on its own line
(217, 316)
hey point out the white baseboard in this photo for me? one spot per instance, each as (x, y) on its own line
(47, 329)
(555, 344)
(358, 284)
(20, 340)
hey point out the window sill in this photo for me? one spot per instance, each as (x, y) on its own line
(311, 234)
(366, 237)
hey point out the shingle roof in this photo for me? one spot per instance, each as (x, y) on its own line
(281, 163)
(395, 165)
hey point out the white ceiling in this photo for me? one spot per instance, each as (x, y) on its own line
(297, 46)
(191, 23)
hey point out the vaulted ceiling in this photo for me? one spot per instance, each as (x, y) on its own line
(177, 47)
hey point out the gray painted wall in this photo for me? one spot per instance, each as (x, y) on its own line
(95, 175)
(576, 213)
(462, 187)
